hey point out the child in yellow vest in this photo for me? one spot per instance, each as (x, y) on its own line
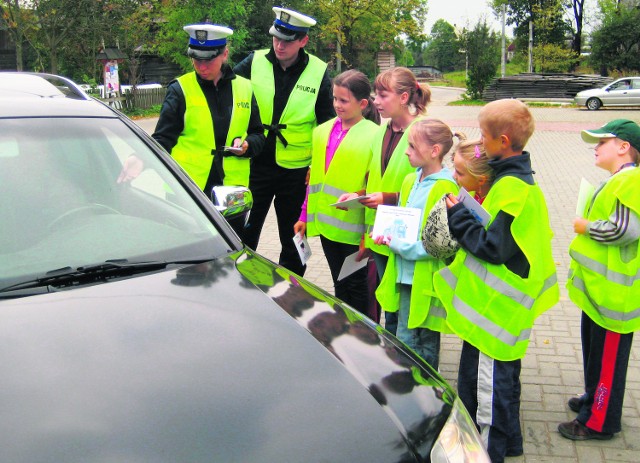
(406, 286)
(402, 100)
(340, 164)
(502, 278)
(603, 281)
(471, 168)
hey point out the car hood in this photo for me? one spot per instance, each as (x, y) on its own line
(234, 360)
(591, 92)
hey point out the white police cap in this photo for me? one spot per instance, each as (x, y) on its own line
(206, 41)
(290, 25)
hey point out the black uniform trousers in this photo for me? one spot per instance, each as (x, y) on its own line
(286, 188)
(352, 289)
(605, 357)
(490, 390)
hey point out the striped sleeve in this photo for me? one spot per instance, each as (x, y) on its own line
(623, 227)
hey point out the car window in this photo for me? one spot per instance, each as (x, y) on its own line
(635, 84)
(64, 203)
(622, 85)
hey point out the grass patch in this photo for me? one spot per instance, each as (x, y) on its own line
(138, 113)
(467, 102)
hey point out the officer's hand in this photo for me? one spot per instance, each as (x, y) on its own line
(243, 145)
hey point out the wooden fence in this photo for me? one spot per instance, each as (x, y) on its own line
(140, 98)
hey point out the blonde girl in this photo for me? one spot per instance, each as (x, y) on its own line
(470, 167)
(400, 99)
(420, 313)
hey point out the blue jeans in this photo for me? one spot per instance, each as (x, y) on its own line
(425, 342)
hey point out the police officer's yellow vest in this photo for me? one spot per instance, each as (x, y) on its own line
(346, 173)
(196, 143)
(425, 309)
(299, 114)
(489, 306)
(604, 280)
(391, 181)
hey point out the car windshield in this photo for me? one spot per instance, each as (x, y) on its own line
(62, 204)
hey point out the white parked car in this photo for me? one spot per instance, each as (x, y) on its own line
(621, 92)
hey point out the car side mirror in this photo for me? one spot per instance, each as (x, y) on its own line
(233, 202)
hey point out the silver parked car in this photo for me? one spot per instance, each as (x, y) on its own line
(621, 92)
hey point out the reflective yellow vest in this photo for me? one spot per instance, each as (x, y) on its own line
(196, 143)
(425, 309)
(489, 306)
(391, 181)
(346, 173)
(604, 280)
(299, 114)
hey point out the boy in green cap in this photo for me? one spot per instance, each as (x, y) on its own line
(604, 281)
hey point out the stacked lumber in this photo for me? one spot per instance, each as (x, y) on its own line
(550, 86)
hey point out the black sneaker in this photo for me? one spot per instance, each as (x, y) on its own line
(575, 403)
(575, 430)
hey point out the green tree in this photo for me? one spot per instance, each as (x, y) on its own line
(549, 56)
(521, 12)
(361, 27)
(171, 40)
(443, 48)
(615, 44)
(15, 20)
(482, 47)
(553, 58)
(53, 22)
(577, 8)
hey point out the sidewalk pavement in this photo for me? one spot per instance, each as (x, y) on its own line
(552, 369)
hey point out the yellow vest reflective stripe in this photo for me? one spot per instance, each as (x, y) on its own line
(489, 306)
(604, 280)
(426, 310)
(346, 173)
(299, 114)
(391, 181)
(193, 151)
(236, 168)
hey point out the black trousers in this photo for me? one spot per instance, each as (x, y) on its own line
(286, 188)
(490, 391)
(352, 289)
(605, 357)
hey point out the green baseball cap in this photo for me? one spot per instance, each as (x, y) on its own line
(624, 129)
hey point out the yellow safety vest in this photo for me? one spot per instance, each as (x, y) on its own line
(196, 143)
(395, 173)
(346, 173)
(489, 306)
(604, 280)
(299, 115)
(425, 309)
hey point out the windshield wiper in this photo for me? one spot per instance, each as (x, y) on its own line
(66, 276)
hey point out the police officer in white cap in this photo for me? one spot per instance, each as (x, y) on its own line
(209, 120)
(294, 94)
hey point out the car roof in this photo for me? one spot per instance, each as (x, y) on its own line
(24, 94)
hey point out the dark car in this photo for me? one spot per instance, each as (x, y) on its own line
(136, 327)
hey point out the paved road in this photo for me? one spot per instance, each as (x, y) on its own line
(552, 369)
